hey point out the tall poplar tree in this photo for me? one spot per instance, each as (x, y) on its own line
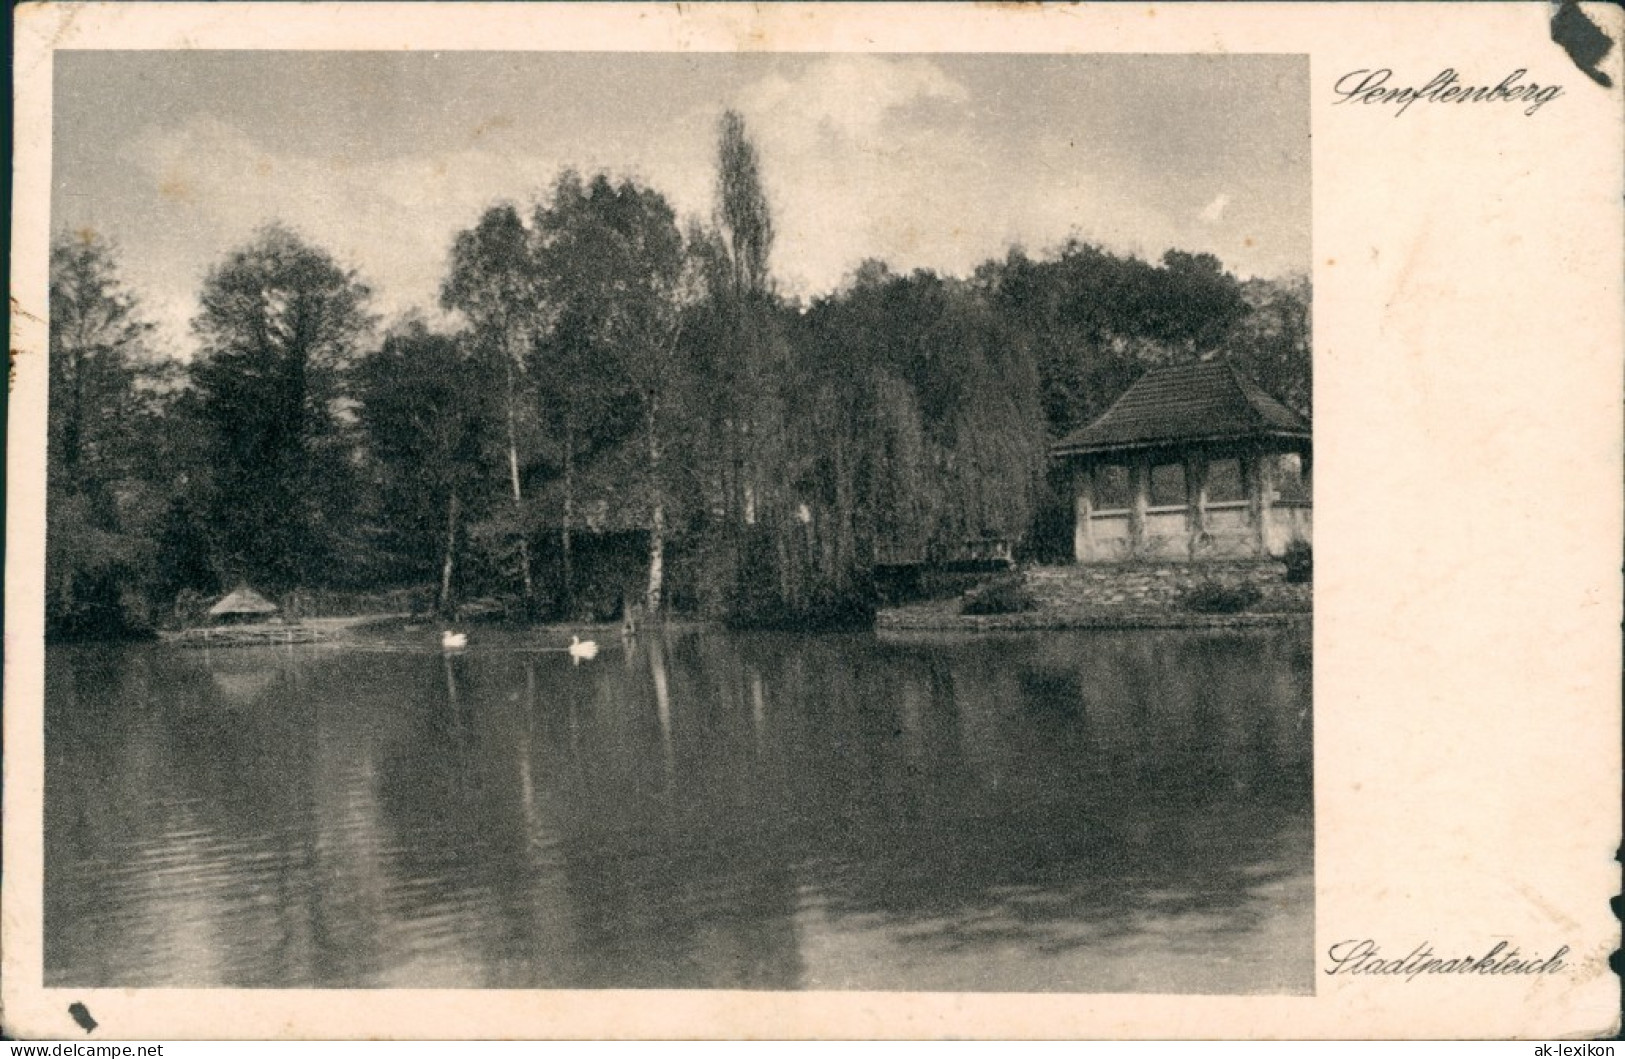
(745, 225)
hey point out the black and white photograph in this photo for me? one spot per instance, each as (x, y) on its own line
(800, 521)
(755, 522)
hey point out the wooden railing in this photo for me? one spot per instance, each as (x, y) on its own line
(978, 552)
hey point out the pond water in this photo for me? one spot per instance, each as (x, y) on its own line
(1122, 812)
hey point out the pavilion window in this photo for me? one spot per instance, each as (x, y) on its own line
(1168, 485)
(1113, 491)
(1225, 484)
(1291, 479)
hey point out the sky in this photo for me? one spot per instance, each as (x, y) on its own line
(931, 161)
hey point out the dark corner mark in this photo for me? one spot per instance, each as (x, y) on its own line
(81, 1015)
(1586, 44)
(1616, 959)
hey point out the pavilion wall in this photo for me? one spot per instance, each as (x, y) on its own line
(1198, 503)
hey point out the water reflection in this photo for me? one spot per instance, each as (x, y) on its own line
(1057, 811)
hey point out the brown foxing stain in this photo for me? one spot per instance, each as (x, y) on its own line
(69, 14)
(25, 13)
(175, 186)
(1248, 241)
(263, 167)
(18, 310)
(1598, 958)
(1549, 910)
(769, 25)
(1413, 254)
(499, 123)
(12, 353)
(908, 239)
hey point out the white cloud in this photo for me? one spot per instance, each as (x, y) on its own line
(877, 157)
(862, 156)
(1213, 212)
(208, 185)
(854, 168)
(851, 95)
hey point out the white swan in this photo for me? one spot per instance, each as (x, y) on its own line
(582, 650)
(451, 641)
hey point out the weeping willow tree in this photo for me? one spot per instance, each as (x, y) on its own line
(895, 414)
(938, 415)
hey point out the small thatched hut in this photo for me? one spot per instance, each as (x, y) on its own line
(242, 606)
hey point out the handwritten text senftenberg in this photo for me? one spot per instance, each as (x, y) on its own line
(1371, 86)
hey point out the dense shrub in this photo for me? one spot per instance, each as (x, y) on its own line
(1007, 595)
(1300, 561)
(1211, 597)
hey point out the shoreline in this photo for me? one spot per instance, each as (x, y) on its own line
(939, 615)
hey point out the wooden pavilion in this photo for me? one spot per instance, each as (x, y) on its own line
(1191, 463)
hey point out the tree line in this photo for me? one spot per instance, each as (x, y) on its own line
(627, 413)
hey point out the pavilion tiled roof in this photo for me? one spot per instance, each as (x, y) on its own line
(1211, 401)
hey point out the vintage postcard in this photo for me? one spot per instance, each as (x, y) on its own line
(814, 521)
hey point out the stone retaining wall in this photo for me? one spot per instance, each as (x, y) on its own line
(922, 618)
(1160, 584)
(1136, 595)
